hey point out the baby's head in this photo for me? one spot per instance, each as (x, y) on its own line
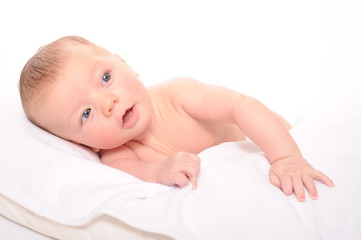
(41, 71)
(72, 88)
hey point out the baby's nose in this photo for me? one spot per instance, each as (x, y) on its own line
(109, 104)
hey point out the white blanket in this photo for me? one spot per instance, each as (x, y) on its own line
(234, 200)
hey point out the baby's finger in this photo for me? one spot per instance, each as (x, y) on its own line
(196, 159)
(299, 189)
(310, 186)
(194, 181)
(274, 180)
(286, 184)
(193, 171)
(181, 180)
(192, 175)
(319, 176)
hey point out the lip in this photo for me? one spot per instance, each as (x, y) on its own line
(130, 117)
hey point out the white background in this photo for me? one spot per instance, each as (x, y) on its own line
(286, 53)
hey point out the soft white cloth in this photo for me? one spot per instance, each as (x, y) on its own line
(234, 200)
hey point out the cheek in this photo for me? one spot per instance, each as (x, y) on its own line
(105, 138)
(135, 87)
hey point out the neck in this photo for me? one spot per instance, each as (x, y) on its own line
(155, 121)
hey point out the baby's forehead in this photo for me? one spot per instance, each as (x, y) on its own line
(80, 59)
(86, 49)
(80, 65)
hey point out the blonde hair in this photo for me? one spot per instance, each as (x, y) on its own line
(41, 71)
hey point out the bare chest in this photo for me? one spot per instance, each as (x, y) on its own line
(178, 132)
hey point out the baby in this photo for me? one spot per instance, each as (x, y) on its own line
(83, 93)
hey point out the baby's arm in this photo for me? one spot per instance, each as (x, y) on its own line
(289, 171)
(178, 170)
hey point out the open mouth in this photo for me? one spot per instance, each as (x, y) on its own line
(127, 116)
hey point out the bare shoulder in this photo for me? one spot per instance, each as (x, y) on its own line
(177, 90)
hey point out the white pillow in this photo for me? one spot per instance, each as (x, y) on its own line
(64, 184)
(29, 157)
(104, 227)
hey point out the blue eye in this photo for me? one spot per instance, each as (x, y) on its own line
(86, 114)
(106, 78)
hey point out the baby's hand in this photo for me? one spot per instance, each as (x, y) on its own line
(293, 174)
(179, 170)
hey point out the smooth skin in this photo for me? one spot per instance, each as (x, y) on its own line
(156, 133)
